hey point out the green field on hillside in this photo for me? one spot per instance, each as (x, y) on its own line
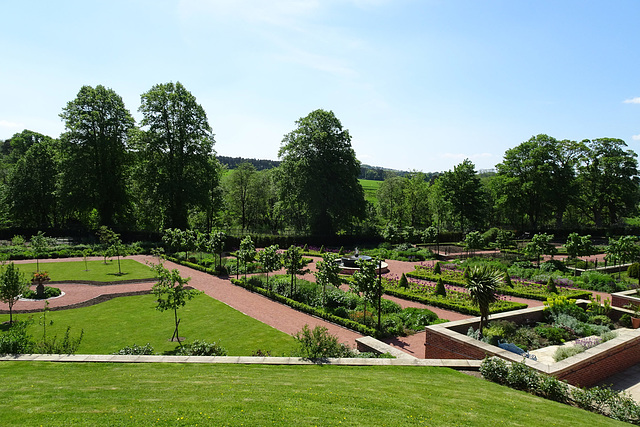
(370, 188)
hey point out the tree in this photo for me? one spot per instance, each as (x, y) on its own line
(473, 241)
(622, 250)
(270, 259)
(239, 185)
(94, 161)
(176, 152)
(463, 191)
(32, 186)
(482, 283)
(319, 174)
(577, 246)
(215, 244)
(328, 273)
(540, 244)
(12, 285)
(107, 238)
(40, 244)
(416, 199)
(171, 293)
(292, 261)
(609, 182)
(529, 172)
(504, 239)
(391, 200)
(364, 283)
(246, 253)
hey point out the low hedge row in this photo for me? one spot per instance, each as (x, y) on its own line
(347, 323)
(504, 290)
(441, 302)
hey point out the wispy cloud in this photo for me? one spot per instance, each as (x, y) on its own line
(636, 137)
(7, 124)
(632, 100)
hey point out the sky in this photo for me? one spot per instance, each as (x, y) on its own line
(419, 84)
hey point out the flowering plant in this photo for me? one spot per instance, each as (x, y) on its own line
(40, 276)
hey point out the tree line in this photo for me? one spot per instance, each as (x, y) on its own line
(107, 170)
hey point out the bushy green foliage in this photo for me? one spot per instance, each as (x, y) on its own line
(202, 348)
(16, 340)
(318, 343)
(49, 292)
(404, 283)
(634, 270)
(136, 350)
(437, 268)
(440, 289)
(551, 286)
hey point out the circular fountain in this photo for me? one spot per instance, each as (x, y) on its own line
(349, 263)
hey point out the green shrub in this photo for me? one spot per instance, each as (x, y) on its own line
(634, 270)
(521, 377)
(136, 349)
(16, 340)
(49, 292)
(495, 370)
(625, 320)
(440, 289)
(404, 283)
(437, 269)
(318, 343)
(68, 344)
(202, 348)
(568, 351)
(553, 389)
(551, 286)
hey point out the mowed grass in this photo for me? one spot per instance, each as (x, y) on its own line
(94, 270)
(122, 321)
(55, 394)
(370, 188)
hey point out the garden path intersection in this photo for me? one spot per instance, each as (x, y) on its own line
(274, 314)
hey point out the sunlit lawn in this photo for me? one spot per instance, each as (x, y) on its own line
(112, 325)
(93, 270)
(55, 394)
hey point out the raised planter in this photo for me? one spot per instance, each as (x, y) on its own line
(449, 341)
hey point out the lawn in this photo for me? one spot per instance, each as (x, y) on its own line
(122, 321)
(94, 270)
(52, 394)
(370, 188)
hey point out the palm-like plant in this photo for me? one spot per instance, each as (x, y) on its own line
(482, 282)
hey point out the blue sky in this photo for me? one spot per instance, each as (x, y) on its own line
(420, 84)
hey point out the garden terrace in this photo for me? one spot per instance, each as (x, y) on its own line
(450, 341)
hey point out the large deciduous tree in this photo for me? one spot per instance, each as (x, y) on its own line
(319, 174)
(176, 150)
(462, 189)
(608, 179)
(95, 155)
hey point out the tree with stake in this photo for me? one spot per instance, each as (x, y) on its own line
(540, 244)
(364, 283)
(482, 282)
(293, 264)
(39, 244)
(12, 285)
(246, 253)
(270, 259)
(328, 273)
(171, 293)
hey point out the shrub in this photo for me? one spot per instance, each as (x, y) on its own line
(563, 305)
(440, 289)
(494, 369)
(634, 270)
(67, 345)
(437, 269)
(16, 340)
(625, 320)
(404, 283)
(202, 348)
(49, 292)
(136, 349)
(566, 352)
(521, 377)
(553, 389)
(551, 286)
(318, 343)
(552, 265)
(490, 235)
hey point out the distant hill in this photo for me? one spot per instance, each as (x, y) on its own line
(375, 173)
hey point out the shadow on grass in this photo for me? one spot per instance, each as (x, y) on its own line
(117, 274)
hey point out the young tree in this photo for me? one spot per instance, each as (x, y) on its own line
(364, 283)
(270, 259)
(540, 244)
(175, 151)
(504, 239)
(473, 241)
(328, 273)
(95, 154)
(108, 239)
(12, 285)
(482, 283)
(215, 244)
(292, 261)
(319, 174)
(578, 246)
(40, 244)
(171, 293)
(622, 250)
(246, 253)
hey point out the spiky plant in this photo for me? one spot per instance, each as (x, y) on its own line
(482, 282)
